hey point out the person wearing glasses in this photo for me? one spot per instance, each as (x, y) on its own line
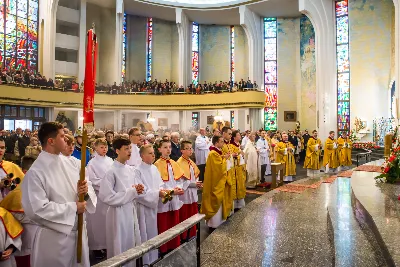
(135, 136)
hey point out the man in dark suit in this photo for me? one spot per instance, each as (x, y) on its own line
(175, 146)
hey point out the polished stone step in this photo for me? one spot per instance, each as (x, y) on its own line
(355, 244)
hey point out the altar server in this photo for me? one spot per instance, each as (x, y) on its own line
(331, 155)
(96, 223)
(10, 238)
(252, 164)
(313, 152)
(202, 148)
(147, 203)
(285, 154)
(216, 201)
(239, 180)
(190, 185)
(135, 136)
(7, 168)
(50, 198)
(119, 190)
(345, 146)
(264, 157)
(168, 213)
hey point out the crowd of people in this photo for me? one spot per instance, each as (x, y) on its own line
(138, 185)
(23, 76)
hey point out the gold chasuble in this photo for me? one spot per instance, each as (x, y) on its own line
(239, 173)
(345, 146)
(286, 155)
(185, 164)
(313, 153)
(162, 166)
(9, 167)
(12, 226)
(331, 155)
(217, 189)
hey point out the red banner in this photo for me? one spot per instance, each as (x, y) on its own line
(90, 75)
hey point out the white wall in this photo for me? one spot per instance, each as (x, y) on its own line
(66, 68)
(67, 41)
(68, 14)
(173, 118)
(104, 120)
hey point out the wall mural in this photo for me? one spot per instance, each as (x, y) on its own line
(65, 121)
(308, 74)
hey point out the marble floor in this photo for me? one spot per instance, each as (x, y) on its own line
(317, 227)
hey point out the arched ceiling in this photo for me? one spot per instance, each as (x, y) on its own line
(224, 15)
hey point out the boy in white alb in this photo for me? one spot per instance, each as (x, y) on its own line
(168, 213)
(119, 190)
(96, 223)
(190, 185)
(147, 203)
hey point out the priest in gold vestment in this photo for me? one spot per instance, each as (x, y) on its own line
(216, 201)
(230, 155)
(344, 147)
(239, 180)
(312, 161)
(331, 155)
(285, 154)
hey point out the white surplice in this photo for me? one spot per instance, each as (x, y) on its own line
(244, 142)
(117, 192)
(253, 167)
(202, 148)
(49, 195)
(135, 159)
(263, 147)
(27, 237)
(96, 222)
(5, 242)
(147, 203)
(189, 185)
(175, 203)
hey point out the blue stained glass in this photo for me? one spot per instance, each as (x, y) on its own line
(11, 25)
(342, 26)
(195, 27)
(33, 10)
(195, 53)
(195, 41)
(22, 10)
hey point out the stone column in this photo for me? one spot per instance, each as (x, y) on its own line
(322, 15)
(185, 47)
(397, 51)
(117, 120)
(82, 42)
(47, 18)
(256, 118)
(119, 40)
(253, 27)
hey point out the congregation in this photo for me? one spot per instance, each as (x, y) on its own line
(22, 76)
(156, 175)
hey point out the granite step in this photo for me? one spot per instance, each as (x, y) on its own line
(355, 244)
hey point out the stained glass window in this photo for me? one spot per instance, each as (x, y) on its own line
(232, 53)
(19, 33)
(195, 53)
(270, 74)
(343, 66)
(195, 120)
(149, 48)
(124, 48)
(232, 119)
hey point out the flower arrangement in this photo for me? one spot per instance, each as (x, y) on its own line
(353, 136)
(365, 145)
(391, 168)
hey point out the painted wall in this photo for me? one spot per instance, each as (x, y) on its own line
(104, 19)
(136, 48)
(104, 120)
(173, 118)
(370, 58)
(241, 54)
(214, 53)
(165, 50)
(308, 88)
(288, 69)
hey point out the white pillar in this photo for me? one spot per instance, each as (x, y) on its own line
(50, 116)
(82, 42)
(47, 15)
(252, 25)
(119, 40)
(185, 47)
(256, 118)
(117, 120)
(397, 51)
(322, 15)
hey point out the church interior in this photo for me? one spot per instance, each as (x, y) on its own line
(276, 122)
